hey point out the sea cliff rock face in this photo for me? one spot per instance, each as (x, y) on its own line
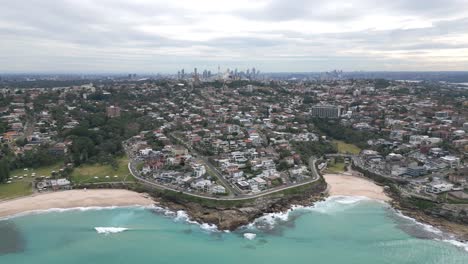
(453, 212)
(452, 218)
(231, 217)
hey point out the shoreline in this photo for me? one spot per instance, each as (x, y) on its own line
(457, 231)
(223, 218)
(349, 185)
(73, 199)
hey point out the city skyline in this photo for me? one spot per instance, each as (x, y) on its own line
(275, 36)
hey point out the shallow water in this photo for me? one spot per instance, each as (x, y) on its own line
(339, 230)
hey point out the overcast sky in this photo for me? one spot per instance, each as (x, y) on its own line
(273, 35)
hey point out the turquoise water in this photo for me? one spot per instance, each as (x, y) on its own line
(339, 230)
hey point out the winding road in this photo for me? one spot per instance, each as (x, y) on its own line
(312, 161)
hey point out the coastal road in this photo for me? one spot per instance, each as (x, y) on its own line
(232, 190)
(315, 177)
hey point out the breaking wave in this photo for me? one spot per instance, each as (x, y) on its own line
(250, 236)
(438, 234)
(425, 227)
(335, 204)
(330, 205)
(61, 210)
(183, 217)
(110, 230)
(463, 245)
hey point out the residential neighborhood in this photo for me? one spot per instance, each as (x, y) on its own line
(242, 137)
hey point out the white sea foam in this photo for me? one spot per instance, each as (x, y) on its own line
(348, 199)
(250, 236)
(426, 227)
(330, 205)
(61, 210)
(182, 216)
(334, 204)
(448, 238)
(164, 211)
(209, 227)
(110, 230)
(270, 220)
(338, 203)
(463, 245)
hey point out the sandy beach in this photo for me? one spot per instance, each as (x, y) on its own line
(342, 184)
(73, 198)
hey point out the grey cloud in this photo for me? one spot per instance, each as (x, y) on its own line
(335, 10)
(280, 10)
(94, 35)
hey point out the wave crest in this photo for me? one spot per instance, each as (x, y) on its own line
(330, 205)
(81, 209)
(110, 230)
(250, 236)
(457, 243)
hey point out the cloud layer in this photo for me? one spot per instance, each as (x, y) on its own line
(273, 35)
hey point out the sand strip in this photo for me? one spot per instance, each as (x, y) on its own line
(73, 198)
(341, 184)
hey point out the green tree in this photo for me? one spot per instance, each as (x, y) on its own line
(4, 170)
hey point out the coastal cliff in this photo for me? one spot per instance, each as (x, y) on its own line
(451, 218)
(231, 214)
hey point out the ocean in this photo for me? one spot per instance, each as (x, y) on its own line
(338, 230)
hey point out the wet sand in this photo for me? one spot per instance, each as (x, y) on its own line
(72, 199)
(343, 184)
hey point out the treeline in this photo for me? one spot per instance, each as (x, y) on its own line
(43, 83)
(381, 83)
(335, 130)
(99, 138)
(4, 171)
(98, 143)
(40, 156)
(3, 127)
(308, 149)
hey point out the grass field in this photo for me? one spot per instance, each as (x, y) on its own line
(15, 189)
(87, 173)
(337, 167)
(346, 148)
(41, 171)
(23, 186)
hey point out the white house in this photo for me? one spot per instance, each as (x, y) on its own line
(218, 189)
(198, 170)
(452, 161)
(439, 188)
